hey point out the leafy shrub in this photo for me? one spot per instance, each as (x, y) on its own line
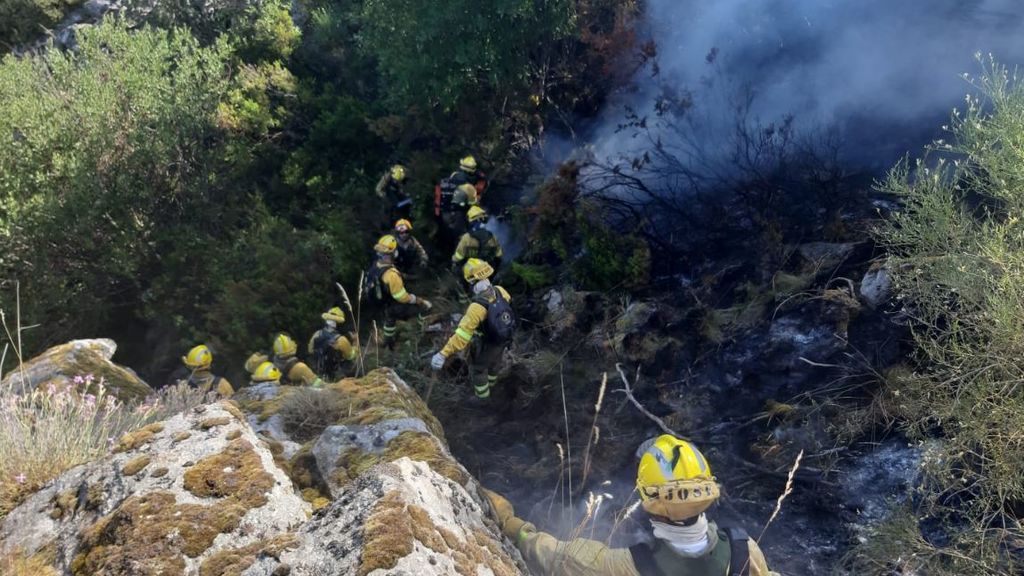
(958, 263)
(108, 164)
(433, 53)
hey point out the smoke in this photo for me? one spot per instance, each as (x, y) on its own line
(884, 74)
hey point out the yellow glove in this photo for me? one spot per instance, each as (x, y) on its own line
(502, 507)
(508, 522)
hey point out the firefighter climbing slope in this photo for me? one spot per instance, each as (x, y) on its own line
(384, 285)
(676, 487)
(391, 189)
(410, 254)
(478, 241)
(455, 194)
(331, 351)
(488, 324)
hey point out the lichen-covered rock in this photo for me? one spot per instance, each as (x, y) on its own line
(61, 364)
(205, 494)
(213, 490)
(397, 519)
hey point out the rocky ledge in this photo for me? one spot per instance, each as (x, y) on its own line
(362, 484)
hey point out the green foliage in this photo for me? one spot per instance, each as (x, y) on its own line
(260, 31)
(108, 155)
(438, 53)
(610, 260)
(958, 261)
(534, 277)
(24, 20)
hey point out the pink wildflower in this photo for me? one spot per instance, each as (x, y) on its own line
(21, 478)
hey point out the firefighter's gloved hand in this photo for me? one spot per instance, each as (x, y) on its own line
(502, 507)
(437, 361)
(424, 303)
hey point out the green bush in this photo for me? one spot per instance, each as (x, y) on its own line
(106, 162)
(437, 53)
(957, 248)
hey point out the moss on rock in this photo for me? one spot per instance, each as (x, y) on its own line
(135, 465)
(133, 440)
(237, 472)
(394, 525)
(234, 561)
(214, 422)
(149, 535)
(414, 445)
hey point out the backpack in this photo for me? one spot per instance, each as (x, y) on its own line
(486, 249)
(501, 319)
(325, 358)
(443, 195)
(739, 558)
(286, 367)
(373, 283)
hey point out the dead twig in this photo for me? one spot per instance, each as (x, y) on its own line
(627, 389)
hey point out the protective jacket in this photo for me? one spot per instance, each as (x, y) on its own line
(473, 321)
(206, 381)
(580, 557)
(478, 243)
(390, 284)
(391, 190)
(294, 372)
(478, 179)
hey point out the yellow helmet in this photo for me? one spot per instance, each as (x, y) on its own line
(476, 269)
(198, 357)
(266, 372)
(284, 345)
(398, 172)
(476, 213)
(334, 314)
(386, 245)
(403, 225)
(468, 164)
(674, 479)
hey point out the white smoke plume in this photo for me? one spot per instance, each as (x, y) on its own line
(885, 73)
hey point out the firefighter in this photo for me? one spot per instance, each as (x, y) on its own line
(330, 350)
(478, 241)
(469, 174)
(294, 372)
(410, 254)
(676, 487)
(383, 283)
(391, 189)
(199, 361)
(488, 324)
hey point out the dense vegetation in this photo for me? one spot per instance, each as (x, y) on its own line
(957, 258)
(206, 172)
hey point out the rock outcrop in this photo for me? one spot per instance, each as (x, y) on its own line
(60, 365)
(355, 478)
